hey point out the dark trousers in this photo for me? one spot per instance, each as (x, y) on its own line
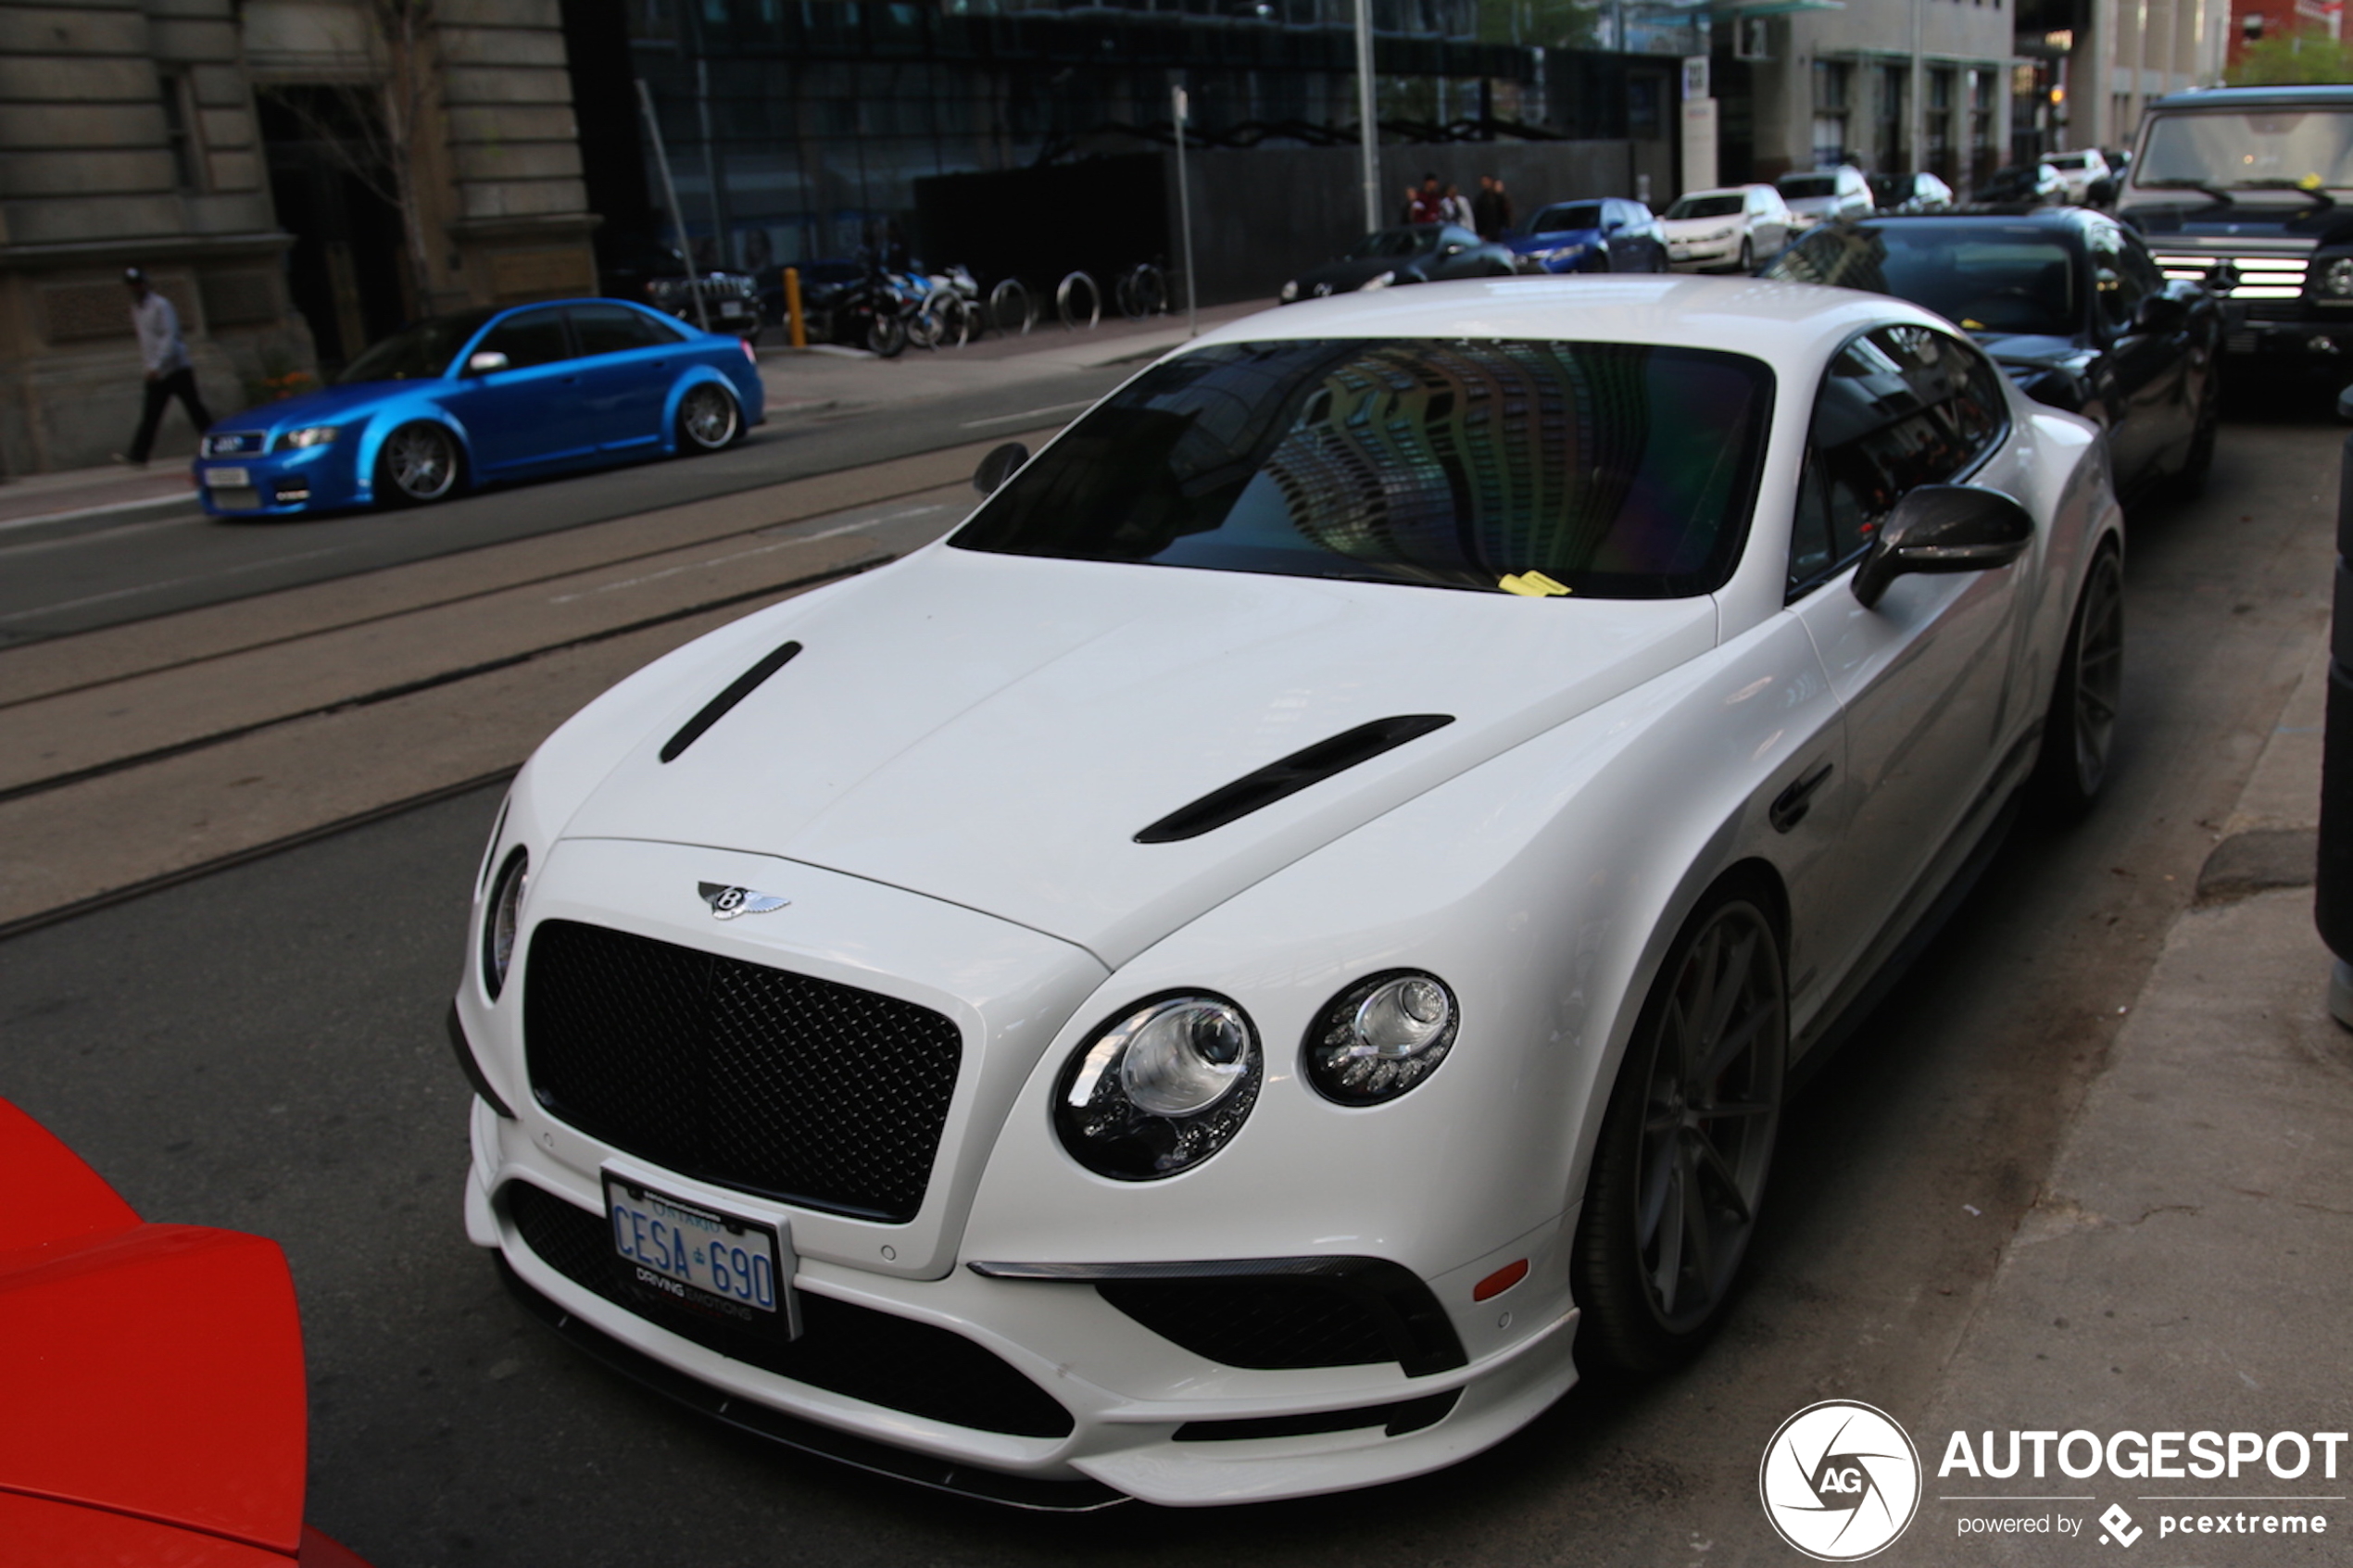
(180, 383)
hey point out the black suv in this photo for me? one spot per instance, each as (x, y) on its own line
(2238, 188)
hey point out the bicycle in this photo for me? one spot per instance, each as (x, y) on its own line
(1142, 291)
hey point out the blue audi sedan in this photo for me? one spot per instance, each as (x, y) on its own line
(1607, 234)
(483, 395)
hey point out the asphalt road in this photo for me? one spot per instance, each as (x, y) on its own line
(87, 572)
(262, 1048)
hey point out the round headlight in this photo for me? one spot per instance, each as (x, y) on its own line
(499, 925)
(1159, 1089)
(1381, 1037)
(2338, 279)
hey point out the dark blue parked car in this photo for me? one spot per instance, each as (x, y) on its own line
(483, 396)
(1603, 234)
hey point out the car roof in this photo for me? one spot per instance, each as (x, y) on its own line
(1727, 191)
(1766, 320)
(2338, 96)
(2064, 220)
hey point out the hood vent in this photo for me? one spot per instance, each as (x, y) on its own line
(716, 708)
(1253, 792)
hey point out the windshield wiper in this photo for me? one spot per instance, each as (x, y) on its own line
(2322, 201)
(2184, 182)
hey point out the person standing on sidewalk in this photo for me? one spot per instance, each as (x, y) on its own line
(1492, 209)
(170, 373)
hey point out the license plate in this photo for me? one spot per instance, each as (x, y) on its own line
(700, 1255)
(1680, 253)
(732, 307)
(227, 479)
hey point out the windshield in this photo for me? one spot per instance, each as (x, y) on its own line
(421, 353)
(1994, 278)
(1394, 242)
(1580, 214)
(1705, 206)
(1806, 187)
(1618, 470)
(2305, 148)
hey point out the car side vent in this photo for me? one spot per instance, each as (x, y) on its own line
(716, 708)
(1253, 792)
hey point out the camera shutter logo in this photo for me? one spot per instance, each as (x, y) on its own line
(1840, 1481)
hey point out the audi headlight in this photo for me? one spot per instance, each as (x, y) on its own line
(1290, 292)
(501, 922)
(1381, 1037)
(1564, 252)
(2338, 278)
(1160, 1089)
(309, 435)
(1378, 281)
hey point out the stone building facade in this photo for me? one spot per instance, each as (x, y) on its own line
(155, 132)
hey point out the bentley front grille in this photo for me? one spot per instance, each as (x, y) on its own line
(736, 1073)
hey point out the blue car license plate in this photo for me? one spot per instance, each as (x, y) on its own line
(698, 1255)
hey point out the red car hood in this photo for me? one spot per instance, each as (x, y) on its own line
(154, 1372)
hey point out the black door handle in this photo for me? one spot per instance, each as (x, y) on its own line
(1790, 807)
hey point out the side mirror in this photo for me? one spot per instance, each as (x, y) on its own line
(1453, 250)
(998, 467)
(2160, 313)
(484, 362)
(1943, 528)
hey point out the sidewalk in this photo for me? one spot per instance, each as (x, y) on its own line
(826, 380)
(2185, 1267)
(75, 493)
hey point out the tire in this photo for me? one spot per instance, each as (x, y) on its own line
(2079, 731)
(885, 337)
(1010, 308)
(1748, 257)
(1688, 1138)
(418, 465)
(707, 420)
(946, 321)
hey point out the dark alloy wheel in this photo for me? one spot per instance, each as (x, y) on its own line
(1687, 1143)
(2079, 731)
(707, 418)
(419, 464)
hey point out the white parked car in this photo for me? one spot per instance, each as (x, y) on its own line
(1728, 230)
(1820, 195)
(2079, 171)
(1240, 970)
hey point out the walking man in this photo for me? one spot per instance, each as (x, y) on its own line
(169, 372)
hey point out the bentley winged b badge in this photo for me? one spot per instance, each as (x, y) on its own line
(728, 902)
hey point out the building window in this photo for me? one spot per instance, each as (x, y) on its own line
(1981, 123)
(1893, 155)
(1938, 123)
(1833, 83)
(178, 134)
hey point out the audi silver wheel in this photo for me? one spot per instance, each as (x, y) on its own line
(419, 464)
(707, 418)
(1687, 1143)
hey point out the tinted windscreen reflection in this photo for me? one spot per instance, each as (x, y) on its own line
(421, 353)
(1993, 278)
(1620, 470)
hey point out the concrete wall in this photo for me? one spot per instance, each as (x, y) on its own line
(130, 140)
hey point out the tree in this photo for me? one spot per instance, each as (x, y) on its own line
(374, 125)
(2293, 59)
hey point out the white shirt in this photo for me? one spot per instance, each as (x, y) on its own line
(160, 345)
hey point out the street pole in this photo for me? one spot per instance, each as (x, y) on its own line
(1185, 217)
(719, 247)
(1369, 127)
(670, 194)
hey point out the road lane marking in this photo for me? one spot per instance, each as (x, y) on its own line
(1028, 414)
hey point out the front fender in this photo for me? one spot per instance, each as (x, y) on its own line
(390, 416)
(688, 379)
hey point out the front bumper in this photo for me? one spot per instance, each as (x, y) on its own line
(1699, 256)
(2320, 340)
(277, 483)
(1142, 1416)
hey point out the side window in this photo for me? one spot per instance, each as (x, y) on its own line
(2139, 264)
(536, 337)
(1899, 406)
(611, 329)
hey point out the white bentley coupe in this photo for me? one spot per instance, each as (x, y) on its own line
(1239, 971)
